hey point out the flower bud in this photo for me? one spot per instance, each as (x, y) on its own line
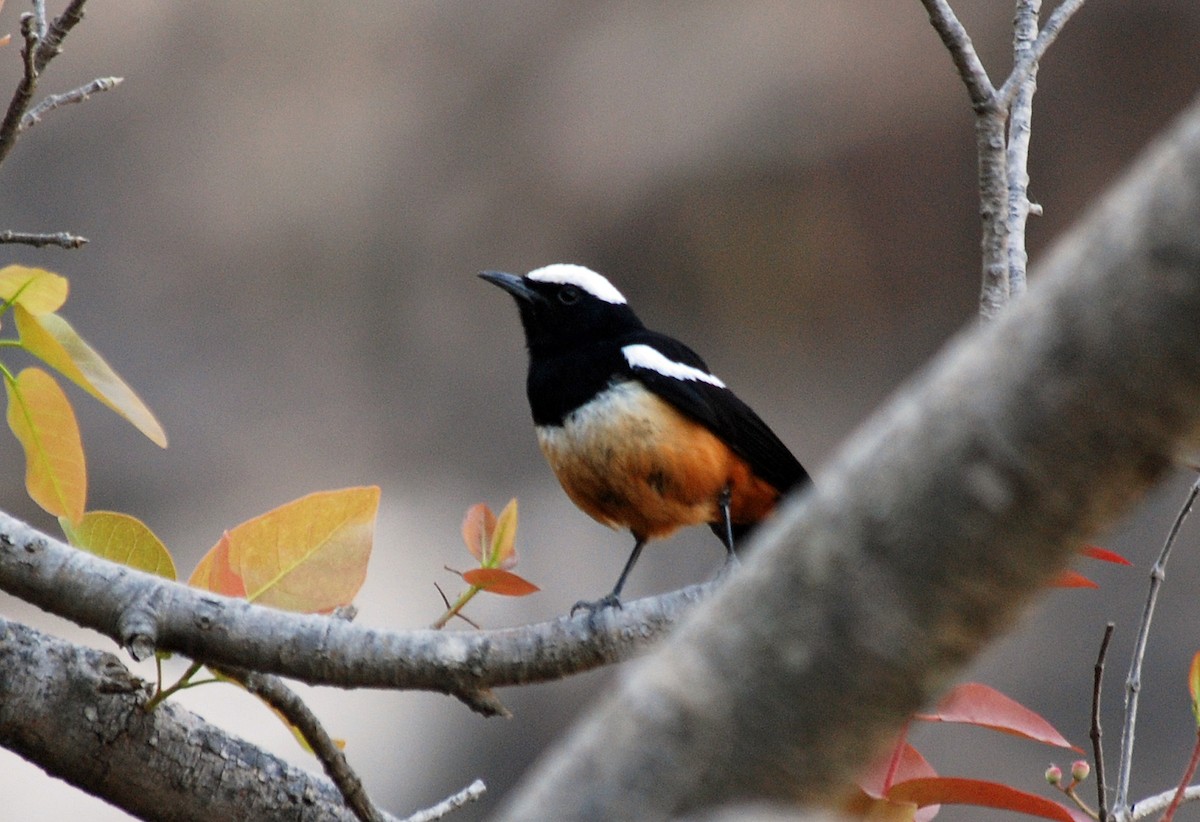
(1080, 770)
(1054, 775)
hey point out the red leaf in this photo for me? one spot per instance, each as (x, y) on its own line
(499, 581)
(976, 704)
(1072, 579)
(911, 766)
(1104, 555)
(944, 790)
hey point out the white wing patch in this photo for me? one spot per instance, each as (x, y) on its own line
(577, 275)
(650, 358)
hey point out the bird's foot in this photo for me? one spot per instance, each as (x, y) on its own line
(592, 607)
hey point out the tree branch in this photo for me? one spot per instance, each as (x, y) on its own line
(145, 613)
(271, 690)
(78, 714)
(928, 535)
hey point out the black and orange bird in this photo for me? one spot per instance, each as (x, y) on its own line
(641, 435)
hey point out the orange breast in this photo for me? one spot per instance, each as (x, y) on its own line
(630, 460)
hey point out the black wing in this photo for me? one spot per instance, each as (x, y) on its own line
(719, 410)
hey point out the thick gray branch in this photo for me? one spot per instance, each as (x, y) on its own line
(144, 612)
(78, 714)
(929, 534)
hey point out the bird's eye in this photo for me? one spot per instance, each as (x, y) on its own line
(568, 295)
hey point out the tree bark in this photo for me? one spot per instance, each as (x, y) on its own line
(929, 534)
(79, 714)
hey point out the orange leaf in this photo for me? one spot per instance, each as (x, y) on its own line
(944, 790)
(477, 528)
(121, 538)
(1104, 555)
(308, 555)
(36, 290)
(41, 417)
(504, 552)
(216, 572)
(52, 339)
(976, 704)
(1072, 579)
(499, 581)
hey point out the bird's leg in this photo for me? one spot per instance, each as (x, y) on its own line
(723, 502)
(613, 600)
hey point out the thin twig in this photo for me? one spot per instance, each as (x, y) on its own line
(962, 51)
(1096, 734)
(39, 14)
(1159, 802)
(1133, 684)
(51, 41)
(10, 126)
(1020, 118)
(61, 239)
(272, 691)
(471, 793)
(1046, 38)
(34, 116)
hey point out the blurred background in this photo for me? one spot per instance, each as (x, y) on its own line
(287, 205)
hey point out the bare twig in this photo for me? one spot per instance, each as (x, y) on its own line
(39, 15)
(1158, 803)
(471, 793)
(10, 126)
(1003, 174)
(34, 116)
(1028, 62)
(962, 51)
(61, 239)
(1133, 684)
(271, 690)
(1025, 29)
(1096, 734)
(51, 41)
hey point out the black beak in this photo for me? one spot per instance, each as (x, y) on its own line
(512, 284)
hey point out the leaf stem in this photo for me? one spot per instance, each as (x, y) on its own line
(183, 683)
(458, 605)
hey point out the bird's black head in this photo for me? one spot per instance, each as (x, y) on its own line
(564, 305)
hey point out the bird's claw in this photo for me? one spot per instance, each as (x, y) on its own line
(592, 607)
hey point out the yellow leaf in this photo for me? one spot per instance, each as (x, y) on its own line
(41, 417)
(34, 289)
(504, 551)
(121, 538)
(1194, 687)
(308, 555)
(51, 338)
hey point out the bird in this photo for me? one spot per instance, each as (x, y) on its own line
(639, 432)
